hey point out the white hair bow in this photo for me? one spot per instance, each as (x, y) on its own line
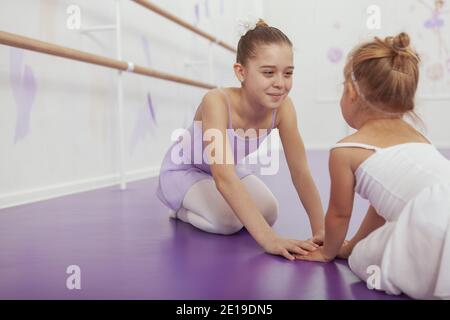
(245, 25)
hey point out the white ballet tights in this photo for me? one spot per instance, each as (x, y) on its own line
(205, 208)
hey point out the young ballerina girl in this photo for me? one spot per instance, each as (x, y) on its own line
(223, 197)
(405, 233)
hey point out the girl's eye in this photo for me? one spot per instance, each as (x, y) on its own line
(270, 73)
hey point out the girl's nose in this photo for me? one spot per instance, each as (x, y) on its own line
(278, 81)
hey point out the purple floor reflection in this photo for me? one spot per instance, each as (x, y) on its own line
(128, 248)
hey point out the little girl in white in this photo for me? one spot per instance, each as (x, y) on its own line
(223, 197)
(405, 234)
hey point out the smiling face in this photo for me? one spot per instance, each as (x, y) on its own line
(268, 75)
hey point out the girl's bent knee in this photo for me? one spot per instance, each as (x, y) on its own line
(228, 224)
(230, 228)
(270, 210)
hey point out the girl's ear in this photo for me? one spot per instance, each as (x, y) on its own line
(351, 91)
(239, 71)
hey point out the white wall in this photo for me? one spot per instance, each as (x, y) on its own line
(319, 28)
(58, 129)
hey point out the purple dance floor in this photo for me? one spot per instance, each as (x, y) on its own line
(128, 248)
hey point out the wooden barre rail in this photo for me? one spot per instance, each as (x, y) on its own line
(18, 41)
(183, 23)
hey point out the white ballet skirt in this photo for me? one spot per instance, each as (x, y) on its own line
(409, 186)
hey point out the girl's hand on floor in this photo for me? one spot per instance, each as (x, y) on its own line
(316, 255)
(289, 247)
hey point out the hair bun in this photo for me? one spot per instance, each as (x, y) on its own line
(401, 41)
(261, 23)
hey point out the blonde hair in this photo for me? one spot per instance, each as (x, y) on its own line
(385, 74)
(261, 34)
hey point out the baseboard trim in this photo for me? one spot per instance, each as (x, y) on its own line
(58, 190)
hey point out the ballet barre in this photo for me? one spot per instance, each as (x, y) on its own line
(184, 24)
(23, 42)
(18, 41)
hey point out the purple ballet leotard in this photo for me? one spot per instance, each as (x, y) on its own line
(176, 179)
